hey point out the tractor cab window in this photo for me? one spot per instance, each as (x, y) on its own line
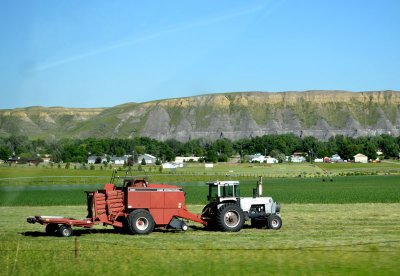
(230, 191)
(212, 193)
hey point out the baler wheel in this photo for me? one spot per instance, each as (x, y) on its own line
(274, 222)
(140, 222)
(51, 229)
(230, 218)
(65, 231)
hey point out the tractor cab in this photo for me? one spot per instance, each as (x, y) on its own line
(221, 191)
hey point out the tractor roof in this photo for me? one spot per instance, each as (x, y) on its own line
(224, 183)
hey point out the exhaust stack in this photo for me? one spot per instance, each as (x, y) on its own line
(259, 186)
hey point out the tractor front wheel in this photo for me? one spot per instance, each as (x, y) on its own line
(230, 218)
(274, 222)
(140, 222)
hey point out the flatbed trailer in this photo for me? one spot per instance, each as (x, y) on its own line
(136, 207)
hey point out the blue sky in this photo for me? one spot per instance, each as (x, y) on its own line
(105, 53)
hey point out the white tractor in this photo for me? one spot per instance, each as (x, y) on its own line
(227, 211)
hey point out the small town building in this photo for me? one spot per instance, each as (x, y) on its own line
(271, 160)
(360, 158)
(118, 160)
(298, 159)
(93, 159)
(182, 159)
(336, 158)
(14, 160)
(149, 159)
(256, 158)
(46, 159)
(327, 159)
(172, 165)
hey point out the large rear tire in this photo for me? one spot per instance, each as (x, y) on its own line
(230, 218)
(274, 222)
(140, 222)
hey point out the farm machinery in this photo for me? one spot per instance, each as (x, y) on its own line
(137, 207)
(227, 211)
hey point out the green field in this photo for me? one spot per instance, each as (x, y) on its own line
(316, 239)
(349, 225)
(354, 189)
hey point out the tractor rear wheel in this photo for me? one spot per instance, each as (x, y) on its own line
(51, 229)
(140, 222)
(274, 222)
(65, 231)
(230, 218)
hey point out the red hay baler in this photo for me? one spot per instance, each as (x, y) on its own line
(136, 207)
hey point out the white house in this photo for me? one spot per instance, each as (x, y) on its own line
(336, 158)
(181, 159)
(92, 159)
(149, 159)
(256, 158)
(118, 160)
(271, 160)
(298, 159)
(360, 158)
(172, 165)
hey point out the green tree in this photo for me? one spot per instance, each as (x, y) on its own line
(5, 153)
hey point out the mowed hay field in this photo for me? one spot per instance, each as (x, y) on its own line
(348, 226)
(316, 239)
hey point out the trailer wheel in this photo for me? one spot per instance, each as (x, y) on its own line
(140, 222)
(230, 218)
(65, 231)
(274, 222)
(51, 229)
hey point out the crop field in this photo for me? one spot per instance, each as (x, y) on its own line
(354, 189)
(316, 239)
(349, 225)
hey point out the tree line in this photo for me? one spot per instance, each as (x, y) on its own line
(278, 146)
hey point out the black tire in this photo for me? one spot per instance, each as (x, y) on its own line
(65, 231)
(230, 218)
(258, 223)
(274, 222)
(208, 214)
(140, 222)
(51, 229)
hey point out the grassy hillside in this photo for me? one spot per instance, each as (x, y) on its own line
(236, 115)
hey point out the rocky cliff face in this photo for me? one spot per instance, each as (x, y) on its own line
(321, 114)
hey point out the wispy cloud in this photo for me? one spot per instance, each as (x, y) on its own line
(121, 44)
